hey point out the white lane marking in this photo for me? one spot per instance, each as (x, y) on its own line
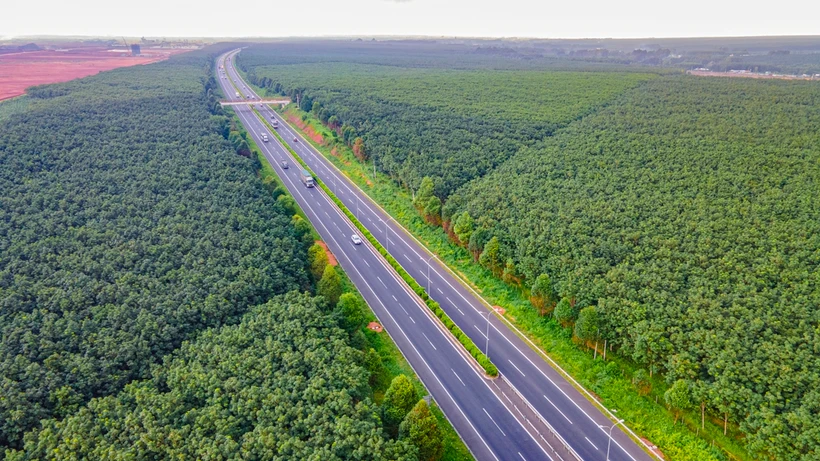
(380, 280)
(327, 214)
(365, 261)
(496, 424)
(405, 311)
(439, 290)
(411, 319)
(293, 185)
(556, 408)
(448, 283)
(459, 377)
(428, 340)
(405, 256)
(394, 298)
(480, 332)
(590, 442)
(522, 456)
(519, 370)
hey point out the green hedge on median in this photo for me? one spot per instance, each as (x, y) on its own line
(465, 340)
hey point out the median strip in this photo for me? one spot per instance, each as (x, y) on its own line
(484, 361)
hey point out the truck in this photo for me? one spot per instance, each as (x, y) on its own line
(307, 179)
(275, 123)
(264, 137)
(237, 94)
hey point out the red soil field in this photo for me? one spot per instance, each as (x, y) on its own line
(19, 71)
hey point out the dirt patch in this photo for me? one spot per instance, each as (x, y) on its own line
(500, 310)
(654, 448)
(330, 258)
(334, 152)
(22, 70)
(370, 183)
(374, 326)
(314, 135)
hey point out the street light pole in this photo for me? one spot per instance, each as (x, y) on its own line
(429, 285)
(609, 443)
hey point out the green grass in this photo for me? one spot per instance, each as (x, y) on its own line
(394, 364)
(610, 380)
(392, 359)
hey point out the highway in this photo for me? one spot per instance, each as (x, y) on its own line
(580, 423)
(470, 401)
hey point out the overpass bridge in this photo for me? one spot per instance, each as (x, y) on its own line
(249, 102)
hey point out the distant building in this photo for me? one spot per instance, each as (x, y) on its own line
(135, 50)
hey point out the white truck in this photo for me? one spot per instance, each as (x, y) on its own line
(307, 179)
(274, 123)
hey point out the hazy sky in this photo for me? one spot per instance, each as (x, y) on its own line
(485, 18)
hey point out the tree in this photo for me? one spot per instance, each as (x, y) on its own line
(463, 228)
(373, 363)
(316, 107)
(542, 294)
(510, 274)
(317, 260)
(587, 325)
(359, 150)
(424, 194)
(330, 286)
(641, 381)
(350, 312)
(679, 397)
(399, 399)
(564, 313)
(432, 211)
(333, 122)
(421, 429)
(302, 229)
(491, 256)
(478, 239)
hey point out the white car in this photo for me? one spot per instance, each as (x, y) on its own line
(356, 239)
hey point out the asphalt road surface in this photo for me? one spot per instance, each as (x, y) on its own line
(490, 429)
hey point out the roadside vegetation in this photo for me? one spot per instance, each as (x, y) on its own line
(451, 126)
(662, 229)
(160, 301)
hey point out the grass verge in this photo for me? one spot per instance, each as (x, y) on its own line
(610, 380)
(393, 362)
(484, 361)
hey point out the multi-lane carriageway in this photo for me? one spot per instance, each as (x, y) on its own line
(508, 418)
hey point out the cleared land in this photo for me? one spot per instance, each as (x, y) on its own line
(19, 71)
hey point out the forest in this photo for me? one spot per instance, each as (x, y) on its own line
(452, 126)
(686, 215)
(156, 294)
(283, 383)
(672, 218)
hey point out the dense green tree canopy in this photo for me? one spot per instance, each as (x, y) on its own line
(687, 212)
(127, 224)
(417, 119)
(281, 384)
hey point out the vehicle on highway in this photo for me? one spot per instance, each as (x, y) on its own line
(237, 94)
(306, 177)
(264, 137)
(274, 123)
(284, 164)
(295, 140)
(356, 239)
